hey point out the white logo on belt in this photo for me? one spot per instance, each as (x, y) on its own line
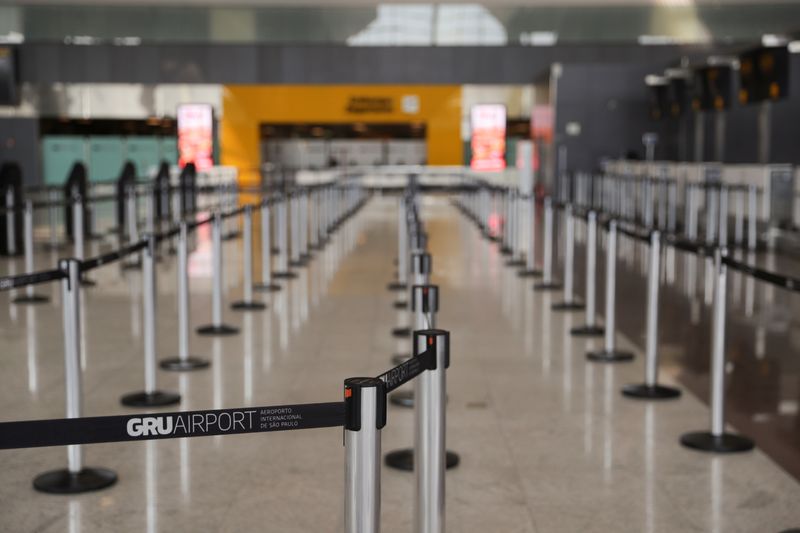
(149, 426)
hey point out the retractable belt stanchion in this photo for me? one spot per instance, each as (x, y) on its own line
(184, 361)
(650, 389)
(590, 328)
(365, 416)
(296, 259)
(266, 252)
(305, 253)
(505, 235)
(53, 199)
(232, 201)
(421, 264)
(752, 218)
(547, 283)
(217, 327)
(11, 218)
(609, 353)
(29, 297)
(248, 303)
(402, 248)
(150, 396)
(429, 457)
(569, 303)
(717, 440)
(283, 241)
(132, 223)
(77, 235)
(514, 260)
(75, 478)
(530, 270)
(424, 306)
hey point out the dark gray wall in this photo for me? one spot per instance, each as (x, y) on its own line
(610, 103)
(203, 63)
(19, 141)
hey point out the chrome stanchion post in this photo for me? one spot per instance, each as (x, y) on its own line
(711, 214)
(29, 297)
(53, 199)
(530, 231)
(248, 303)
(738, 226)
(283, 240)
(266, 251)
(609, 353)
(11, 219)
(78, 234)
(421, 266)
(650, 389)
(717, 440)
(402, 248)
(305, 254)
(132, 223)
(217, 327)
(296, 259)
(365, 416)
(424, 306)
(150, 396)
(591, 327)
(184, 361)
(723, 217)
(547, 282)
(672, 196)
(569, 303)
(752, 218)
(76, 478)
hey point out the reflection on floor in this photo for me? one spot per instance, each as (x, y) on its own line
(546, 441)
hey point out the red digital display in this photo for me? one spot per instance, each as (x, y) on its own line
(196, 135)
(488, 137)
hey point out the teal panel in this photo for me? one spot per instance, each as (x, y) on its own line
(144, 153)
(511, 151)
(59, 153)
(106, 156)
(169, 150)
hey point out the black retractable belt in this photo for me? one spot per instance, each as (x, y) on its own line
(90, 430)
(13, 282)
(110, 257)
(785, 282)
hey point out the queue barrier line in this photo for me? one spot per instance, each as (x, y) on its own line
(785, 282)
(22, 280)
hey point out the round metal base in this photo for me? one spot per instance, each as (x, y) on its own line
(397, 286)
(150, 399)
(529, 273)
(400, 358)
(401, 332)
(403, 398)
(547, 286)
(248, 306)
(404, 460)
(400, 305)
(267, 287)
(725, 443)
(567, 306)
(609, 357)
(650, 392)
(587, 331)
(285, 275)
(221, 329)
(63, 481)
(177, 364)
(31, 299)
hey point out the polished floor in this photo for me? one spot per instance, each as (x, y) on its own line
(546, 441)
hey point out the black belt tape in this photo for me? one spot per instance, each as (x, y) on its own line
(407, 370)
(89, 430)
(12, 282)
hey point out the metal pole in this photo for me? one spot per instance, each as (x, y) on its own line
(283, 236)
(568, 303)
(591, 327)
(75, 478)
(723, 217)
(672, 193)
(547, 275)
(609, 352)
(711, 214)
(217, 327)
(266, 251)
(365, 416)
(429, 436)
(752, 218)
(132, 216)
(11, 230)
(530, 232)
(651, 389)
(77, 226)
(717, 440)
(52, 198)
(738, 228)
(29, 297)
(402, 243)
(248, 303)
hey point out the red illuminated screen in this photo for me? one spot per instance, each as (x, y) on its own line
(488, 137)
(196, 135)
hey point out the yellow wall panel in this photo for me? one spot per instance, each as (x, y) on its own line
(246, 107)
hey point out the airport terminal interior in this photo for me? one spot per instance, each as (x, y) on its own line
(307, 266)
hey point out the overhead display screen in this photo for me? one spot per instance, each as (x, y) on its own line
(763, 75)
(488, 142)
(711, 89)
(196, 135)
